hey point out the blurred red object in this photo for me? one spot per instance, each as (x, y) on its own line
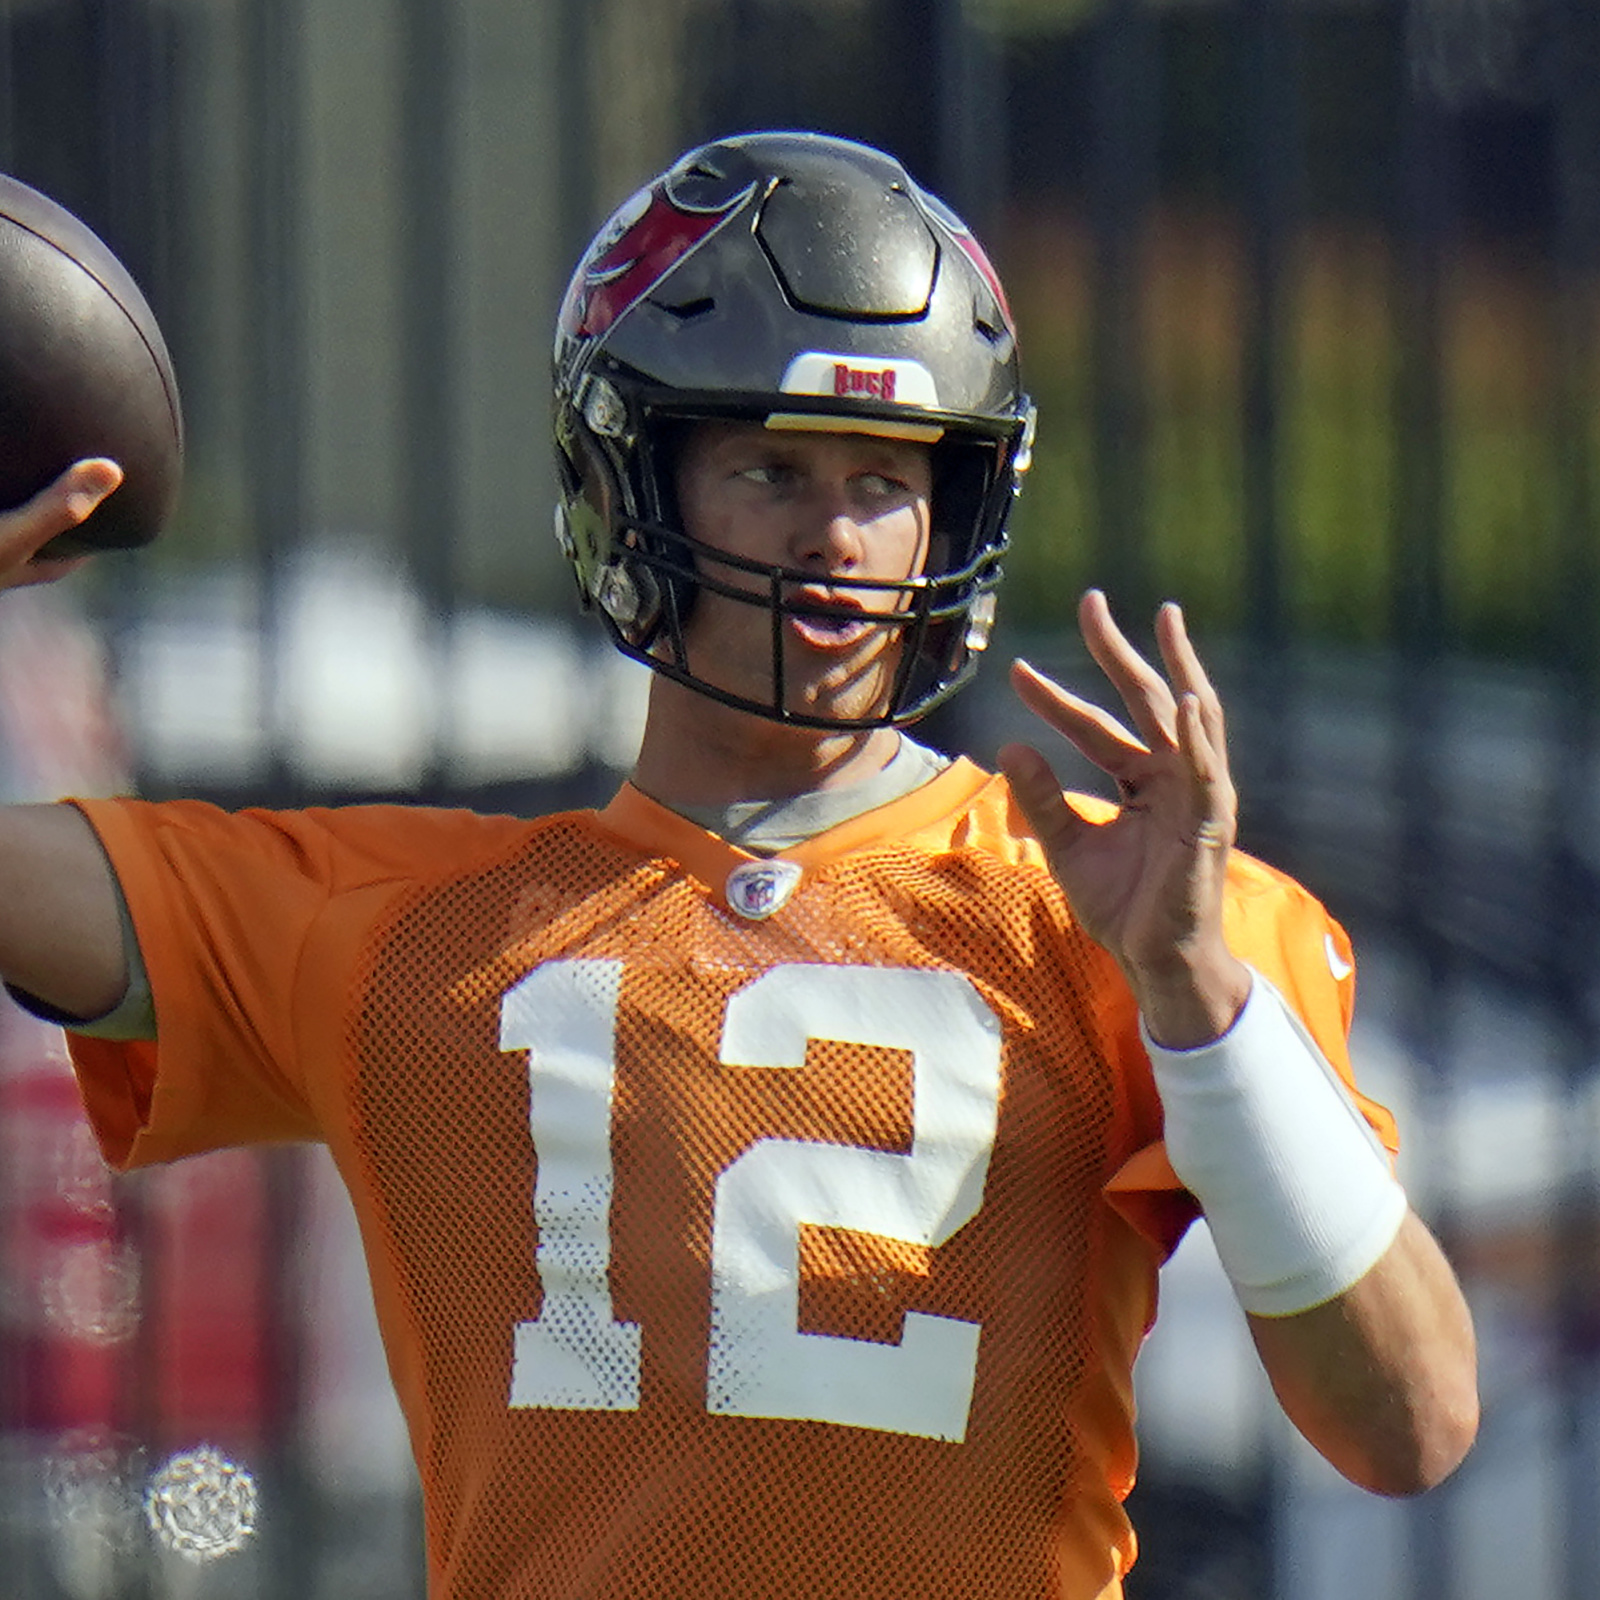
(139, 1309)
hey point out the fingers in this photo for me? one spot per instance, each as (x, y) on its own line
(26, 529)
(1212, 798)
(1151, 699)
(1144, 691)
(1187, 673)
(1098, 734)
(1033, 783)
(1176, 711)
(86, 484)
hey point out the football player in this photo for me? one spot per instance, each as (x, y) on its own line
(764, 1178)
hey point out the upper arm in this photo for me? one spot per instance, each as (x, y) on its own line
(60, 931)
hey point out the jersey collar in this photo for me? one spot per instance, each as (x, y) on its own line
(647, 825)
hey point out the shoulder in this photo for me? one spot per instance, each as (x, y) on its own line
(344, 845)
(990, 820)
(1255, 888)
(1263, 903)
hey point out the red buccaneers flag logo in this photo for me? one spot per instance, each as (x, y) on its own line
(646, 237)
(970, 247)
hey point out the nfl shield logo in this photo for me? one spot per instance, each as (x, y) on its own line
(758, 888)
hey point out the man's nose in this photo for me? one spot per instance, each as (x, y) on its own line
(832, 534)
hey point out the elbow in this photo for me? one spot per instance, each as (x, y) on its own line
(1445, 1445)
(1426, 1448)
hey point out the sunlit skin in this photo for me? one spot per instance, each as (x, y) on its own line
(1382, 1378)
(56, 508)
(840, 507)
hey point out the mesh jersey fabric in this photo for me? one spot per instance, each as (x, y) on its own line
(714, 1257)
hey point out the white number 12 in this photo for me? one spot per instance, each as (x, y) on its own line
(577, 1355)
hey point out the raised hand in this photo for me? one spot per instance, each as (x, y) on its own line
(27, 528)
(1148, 884)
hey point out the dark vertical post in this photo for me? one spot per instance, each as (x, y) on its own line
(1424, 205)
(1123, 181)
(971, 160)
(16, 1541)
(8, 89)
(1423, 210)
(1571, 915)
(1268, 166)
(120, 36)
(1416, 530)
(1267, 134)
(430, 508)
(275, 378)
(275, 374)
(577, 116)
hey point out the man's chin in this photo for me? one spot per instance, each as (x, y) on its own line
(848, 694)
(828, 684)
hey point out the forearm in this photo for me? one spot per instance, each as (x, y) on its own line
(1382, 1379)
(1357, 1315)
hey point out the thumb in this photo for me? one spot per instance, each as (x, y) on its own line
(55, 509)
(85, 484)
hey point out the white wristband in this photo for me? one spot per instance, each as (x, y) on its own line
(1294, 1184)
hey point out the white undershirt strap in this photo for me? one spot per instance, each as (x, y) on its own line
(766, 827)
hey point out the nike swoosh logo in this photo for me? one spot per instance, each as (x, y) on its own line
(1337, 965)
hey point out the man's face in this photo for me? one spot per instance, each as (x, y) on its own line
(838, 508)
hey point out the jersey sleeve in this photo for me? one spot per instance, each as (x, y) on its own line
(1285, 933)
(222, 904)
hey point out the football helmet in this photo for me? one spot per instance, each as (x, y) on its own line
(807, 282)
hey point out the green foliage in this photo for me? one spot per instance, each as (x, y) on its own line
(1348, 464)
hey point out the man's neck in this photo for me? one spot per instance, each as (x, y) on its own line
(697, 752)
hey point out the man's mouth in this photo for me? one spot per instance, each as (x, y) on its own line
(842, 624)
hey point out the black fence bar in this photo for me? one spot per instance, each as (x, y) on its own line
(17, 1550)
(574, 134)
(1423, 228)
(971, 166)
(1126, 69)
(1267, 134)
(8, 89)
(430, 390)
(1269, 141)
(274, 38)
(275, 376)
(1571, 944)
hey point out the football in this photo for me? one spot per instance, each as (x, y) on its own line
(84, 371)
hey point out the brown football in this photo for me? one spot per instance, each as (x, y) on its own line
(84, 371)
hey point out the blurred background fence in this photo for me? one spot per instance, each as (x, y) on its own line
(1308, 298)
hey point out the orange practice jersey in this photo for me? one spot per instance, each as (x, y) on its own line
(802, 1249)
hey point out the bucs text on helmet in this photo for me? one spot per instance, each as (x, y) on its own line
(801, 280)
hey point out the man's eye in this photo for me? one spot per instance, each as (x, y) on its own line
(879, 486)
(767, 473)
